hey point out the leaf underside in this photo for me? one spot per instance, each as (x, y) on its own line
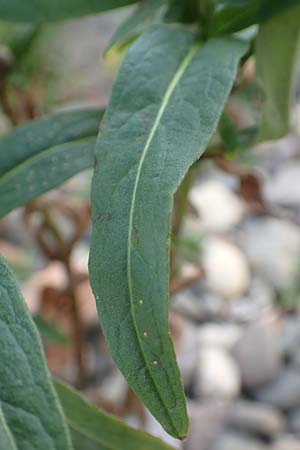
(277, 54)
(164, 109)
(27, 397)
(46, 10)
(99, 430)
(42, 154)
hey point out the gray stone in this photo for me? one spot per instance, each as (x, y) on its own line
(284, 392)
(290, 335)
(238, 441)
(114, 388)
(283, 188)
(217, 374)
(198, 303)
(256, 418)
(287, 443)
(273, 248)
(224, 335)
(250, 307)
(294, 421)
(226, 268)
(219, 209)
(187, 351)
(270, 157)
(258, 355)
(289, 338)
(207, 420)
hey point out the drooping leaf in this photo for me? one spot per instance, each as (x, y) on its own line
(18, 37)
(45, 10)
(27, 397)
(277, 55)
(42, 154)
(49, 331)
(6, 439)
(165, 106)
(235, 139)
(100, 430)
(240, 14)
(147, 13)
(34, 137)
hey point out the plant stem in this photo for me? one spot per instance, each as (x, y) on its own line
(77, 324)
(78, 328)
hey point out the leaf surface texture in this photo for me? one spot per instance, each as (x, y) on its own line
(165, 106)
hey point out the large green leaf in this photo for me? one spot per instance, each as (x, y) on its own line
(240, 14)
(98, 430)
(165, 106)
(277, 55)
(81, 442)
(27, 397)
(51, 10)
(6, 439)
(42, 154)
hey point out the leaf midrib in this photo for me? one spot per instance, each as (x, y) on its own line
(169, 91)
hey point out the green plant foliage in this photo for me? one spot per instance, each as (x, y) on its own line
(164, 109)
(147, 13)
(98, 430)
(49, 331)
(81, 442)
(42, 154)
(182, 11)
(6, 439)
(28, 400)
(45, 10)
(240, 14)
(22, 38)
(233, 138)
(277, 55)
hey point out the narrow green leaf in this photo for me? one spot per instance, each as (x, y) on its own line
(165, 106)
(277, 55)
(147, 13)
(27, 397)
(19, 38)
(34, 137)
(42, 154)
(240, 14)
(236, 139)
(101, 428)
(46, 10)
(49, 331)
(6, 439)
(44, 172)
